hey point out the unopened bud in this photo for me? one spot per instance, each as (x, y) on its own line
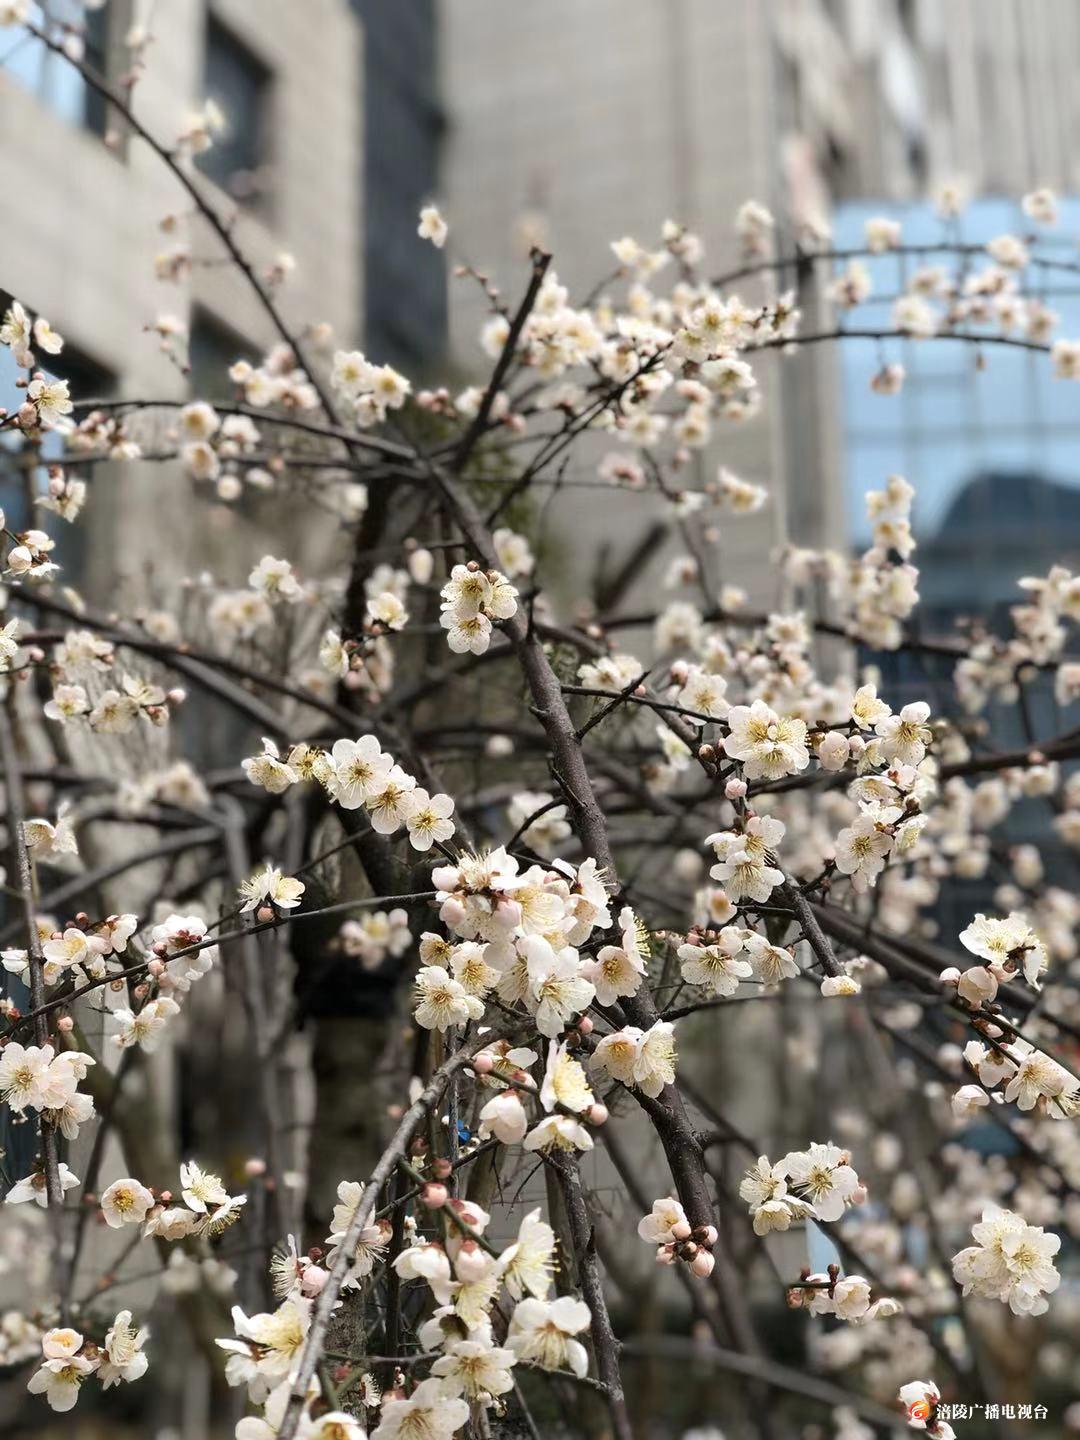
(702, 1264)
(452, 912)
(735, 789)
(598, 1114)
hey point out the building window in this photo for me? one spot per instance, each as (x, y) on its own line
(405, 277)
(991, 451)
(239, 84)
(956, 421)
(54, 80)
(87, 380)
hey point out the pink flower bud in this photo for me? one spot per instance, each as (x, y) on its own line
(735, 789)
(254, 1167)
(313, 1279)
(434, 1196)
(702, 1264)
(681, 1230)
(598, 1114)
(950, 975)
(65, 1024)
(264, 914)
(860, 1195)
(156, 968)
(665, 1255)
(452, 912)
(709, 1234)
(585, 1025)
(508, 912)
(483, 1064)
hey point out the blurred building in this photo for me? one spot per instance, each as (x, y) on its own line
(80, 244)
(575, 124)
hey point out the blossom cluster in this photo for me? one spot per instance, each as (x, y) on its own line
(1010, 1261)
(68, 1359)
(359, 774)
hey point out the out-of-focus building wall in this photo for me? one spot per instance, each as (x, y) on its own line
(81, 229)
(574, 124)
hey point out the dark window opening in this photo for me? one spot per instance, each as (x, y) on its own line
(87, 380)
(239, 84)
(405, 277)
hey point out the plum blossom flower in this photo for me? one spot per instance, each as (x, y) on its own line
(432, 226)
(125, 1202)
(905, 736)
(861, 851)
(33, 1187)
(427, 818)
(269, 770)
(824, 1175)
(270, 886)
(125, 1359)
(768, 745)
(542, 1331)
(716, 967)
(430, 1413)
(665, 1222)
(442, 1001)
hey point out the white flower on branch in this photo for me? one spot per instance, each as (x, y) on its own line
(542, 1332)
(1010, 1261)
(824, 1175)
(32, 1187)
(269, 770)
(768, 745)
(125, 1202)
(441, 1001)
(269, 886)
(716, 966)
